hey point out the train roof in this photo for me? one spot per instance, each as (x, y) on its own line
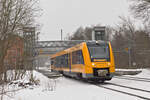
(88, 43)
(99, 41)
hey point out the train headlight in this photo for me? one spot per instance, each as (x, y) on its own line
(109, 64)
(93, 64)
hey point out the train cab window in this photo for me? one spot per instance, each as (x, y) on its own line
(99, 52)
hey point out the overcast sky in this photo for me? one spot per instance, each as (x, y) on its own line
(71, 14)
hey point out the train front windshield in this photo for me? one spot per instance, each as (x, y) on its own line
(99, 52)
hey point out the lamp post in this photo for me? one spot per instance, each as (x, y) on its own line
(61, 34)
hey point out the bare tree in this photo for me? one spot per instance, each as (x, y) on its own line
(141, 9)
(131, 45)
(78, 34)
(86, 33)
(14, 15)
(123, 40)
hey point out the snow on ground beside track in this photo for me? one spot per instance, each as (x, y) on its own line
(136, 84)
(145, 74)
(128, 69)
(70, 89)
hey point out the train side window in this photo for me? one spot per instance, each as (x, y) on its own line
(77, 57)
(81, 57)
(67, 63)
(61, 61)
(74, 57)
(65, 60)
(52, 61)
(56, 60)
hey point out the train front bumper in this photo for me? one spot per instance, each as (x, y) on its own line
(92, 76)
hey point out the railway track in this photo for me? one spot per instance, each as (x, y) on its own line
(148, 91)
(127, 90)
(51, 75)
(109, 86)
(136, 77)
(133, 78)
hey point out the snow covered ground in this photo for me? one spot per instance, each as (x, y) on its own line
(69, 89)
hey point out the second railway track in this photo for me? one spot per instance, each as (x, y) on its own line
(133, 78)
(133, 88)
(107, 85)
(138, 93)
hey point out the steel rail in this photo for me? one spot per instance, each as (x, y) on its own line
(135, 95)
(135, 79)
(148, 91)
